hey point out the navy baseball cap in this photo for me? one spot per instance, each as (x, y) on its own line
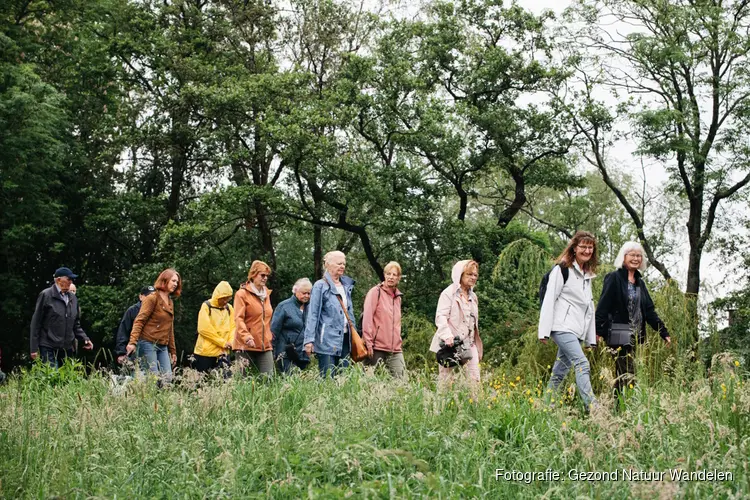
(64, 272)
(147, 290)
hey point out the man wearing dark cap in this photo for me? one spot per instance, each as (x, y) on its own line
(56, 321)
(126, 324)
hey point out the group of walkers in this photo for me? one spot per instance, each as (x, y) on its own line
(568, 316)
(318, 320)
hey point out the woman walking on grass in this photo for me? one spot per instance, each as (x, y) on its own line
(457, 321)
(381, 323)
(288, 327)
(152, 336)
(626, 306)
(567, 313)
(331, 317)
(253, 340)
(216, 330)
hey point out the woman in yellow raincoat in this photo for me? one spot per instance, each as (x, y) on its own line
(215, 331)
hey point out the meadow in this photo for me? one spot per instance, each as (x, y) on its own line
(70, 435)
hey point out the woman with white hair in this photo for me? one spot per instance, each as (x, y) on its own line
(288, 328)
(624, 308)
(331, 317)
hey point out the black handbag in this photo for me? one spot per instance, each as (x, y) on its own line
(291, 353)
(620, 334)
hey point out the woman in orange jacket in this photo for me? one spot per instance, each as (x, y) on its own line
(252, 341)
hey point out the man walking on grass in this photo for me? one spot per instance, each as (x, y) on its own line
(56, 321)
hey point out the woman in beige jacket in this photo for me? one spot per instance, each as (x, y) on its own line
(457, 317)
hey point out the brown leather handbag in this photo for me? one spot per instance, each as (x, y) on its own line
(359, 351)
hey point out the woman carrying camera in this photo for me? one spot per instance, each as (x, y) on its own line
(567, 314)
(457, 321)
(288, 327)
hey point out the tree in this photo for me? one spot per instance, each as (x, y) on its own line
(681, 74)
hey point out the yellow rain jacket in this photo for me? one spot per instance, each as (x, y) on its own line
(215, 325)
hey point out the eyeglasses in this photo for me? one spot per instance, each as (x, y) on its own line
(589, 248)
(263, 275)
(634, 255)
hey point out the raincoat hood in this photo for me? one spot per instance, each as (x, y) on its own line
(458, 270)
(223, 289)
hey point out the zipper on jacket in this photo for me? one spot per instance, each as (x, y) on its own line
(263, 325)
(393, 324)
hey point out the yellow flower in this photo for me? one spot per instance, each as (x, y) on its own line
(736, 363)
(531, 400)
(518, 378)
(548, 367)
(471, 400)
(631, 386)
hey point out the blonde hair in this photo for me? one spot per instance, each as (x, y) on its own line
(392, 265)
(568, 256)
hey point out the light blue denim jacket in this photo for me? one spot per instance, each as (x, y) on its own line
(326, 322)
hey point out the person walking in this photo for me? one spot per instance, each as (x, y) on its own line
(56, 322)
(252, 341)
(216, 329)
(567, 314)
(381, 323)
(288, 327)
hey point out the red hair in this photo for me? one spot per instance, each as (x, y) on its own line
(162, 282)
(258, 266)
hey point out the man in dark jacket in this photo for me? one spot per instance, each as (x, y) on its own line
(56, 321)
(126, 325)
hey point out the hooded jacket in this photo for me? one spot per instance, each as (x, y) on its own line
(253, 319)
(216, 326)
(449, 315)
(613, 306)
(568, 306)
(288, 327)
(326, 322)
(381, 321)
(55, 324)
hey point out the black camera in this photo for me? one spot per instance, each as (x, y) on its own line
(455, 355)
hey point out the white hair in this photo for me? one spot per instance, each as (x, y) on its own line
(627, 248)
(331, 255)
(300, 284)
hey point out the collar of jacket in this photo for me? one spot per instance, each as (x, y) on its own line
(623, 272)
(297, 301)
(57, 294)
(581, 271)
(397, 293)
(346, 281)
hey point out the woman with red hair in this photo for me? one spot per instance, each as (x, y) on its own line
(152, 336)
(253, 340)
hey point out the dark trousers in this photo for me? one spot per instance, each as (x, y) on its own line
(262, 362)
(285, 365)
(624, 368)
(55, 357)
(205, 364)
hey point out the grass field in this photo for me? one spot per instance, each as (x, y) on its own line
(363, 435)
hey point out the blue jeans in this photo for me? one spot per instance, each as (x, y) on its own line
(54, 357)
(570, 354)
(328, 364)
(154, 358)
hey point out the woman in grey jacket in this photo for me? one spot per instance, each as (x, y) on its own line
(567, 314)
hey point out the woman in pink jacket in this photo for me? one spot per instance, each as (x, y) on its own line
(381, 323)
(457, 320)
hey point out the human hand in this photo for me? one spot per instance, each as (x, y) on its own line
(122, 359)
(370, 351)
(228, 345)
(448, 342)
(250, 342)
(173, 357)
(668, 340)
(309, 349)
(544, 341)
(88, 345)
(130, 349)
(34, 355)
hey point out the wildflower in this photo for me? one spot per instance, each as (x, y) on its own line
(531, 400)
(518, 378)
(736, 363)
(471, 400)
(548, 367)
(512, 384)
(631, 386)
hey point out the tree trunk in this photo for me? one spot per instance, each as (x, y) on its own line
(318, 250)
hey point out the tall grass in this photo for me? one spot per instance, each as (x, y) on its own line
(361, 434)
